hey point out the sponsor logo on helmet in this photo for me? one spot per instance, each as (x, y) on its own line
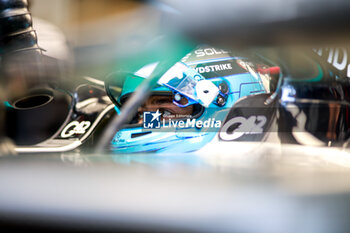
(214, 68)
(209, 52)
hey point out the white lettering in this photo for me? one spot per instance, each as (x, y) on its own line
(252, 125)
(181, 124)
(206, 124)
(190, 123)
(165, 125)
(340, 65)
(318, 51)
(199, 53)
(213, 68)
(209, 52)
(75, 127)
(330, 56)
(338, 57)
(217, 124)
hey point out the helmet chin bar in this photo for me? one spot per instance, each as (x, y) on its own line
(186, 82)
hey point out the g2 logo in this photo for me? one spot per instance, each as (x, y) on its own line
(252, 125)
(75, 127)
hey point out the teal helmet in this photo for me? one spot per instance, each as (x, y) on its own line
(208, 82)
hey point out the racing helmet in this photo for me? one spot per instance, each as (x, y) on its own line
(190, 102)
